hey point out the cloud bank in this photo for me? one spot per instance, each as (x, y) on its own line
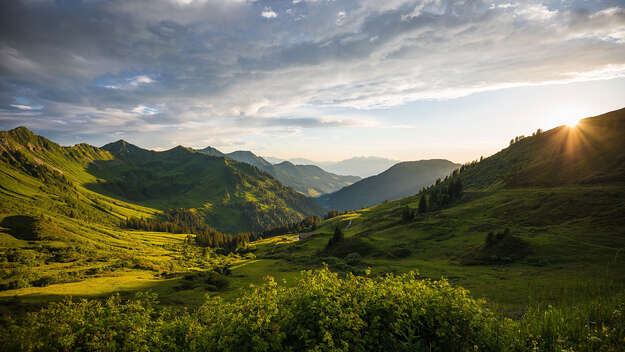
(209, 71)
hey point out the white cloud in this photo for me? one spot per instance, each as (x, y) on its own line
(223, 70)
(145, 110)
(431, 6)
(21, 107)
(268, 13)
(139, 80)
(535, 12)
(131, 83)
(340, 17)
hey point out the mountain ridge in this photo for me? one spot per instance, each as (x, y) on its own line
(311, 181)
(120, 172)
(400, 180)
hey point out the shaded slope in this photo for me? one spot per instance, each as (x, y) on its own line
(311, 179)
(399, 181)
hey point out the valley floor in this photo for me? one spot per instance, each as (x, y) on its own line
(573, 254)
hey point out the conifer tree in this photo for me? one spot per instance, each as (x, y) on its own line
(423, 205)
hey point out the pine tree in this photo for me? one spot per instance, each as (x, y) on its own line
(490, 239)
(407, 214)
(423, 205)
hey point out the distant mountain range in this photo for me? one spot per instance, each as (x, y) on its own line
(307, 179)
(401, 180)
(359, 166)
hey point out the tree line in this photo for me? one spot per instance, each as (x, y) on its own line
(437, 196)
(187, 221)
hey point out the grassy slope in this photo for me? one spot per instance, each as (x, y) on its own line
(234, 196)
(57, 232)
(575, 231)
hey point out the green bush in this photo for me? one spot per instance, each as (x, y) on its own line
(353, 258)
(89, 325)
(323, 312)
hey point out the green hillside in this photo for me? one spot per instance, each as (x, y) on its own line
(592, 152)
(63, 212)
(401, 180)
(308, 179)
(233, 196)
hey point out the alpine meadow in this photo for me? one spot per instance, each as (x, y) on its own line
(312, 175)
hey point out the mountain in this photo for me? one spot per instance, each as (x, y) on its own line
(273, 160)
(592, 152)
(401, 180)
(248, 157)
(303, 161)
(359, 166)
(233, 196)
(307, 179)
(106, 184)
(212, 151)
(311, 179)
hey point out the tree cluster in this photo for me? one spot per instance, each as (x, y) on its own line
(336, 238)
(441, 194)
(493, 238)
(187, 221)
(334, 213)
(309, 223)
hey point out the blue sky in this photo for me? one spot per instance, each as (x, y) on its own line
(320, 79)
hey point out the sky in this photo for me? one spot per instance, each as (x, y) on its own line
(318, 79)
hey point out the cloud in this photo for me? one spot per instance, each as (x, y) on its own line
(166, 65)
(21, 107)
(139, 80)
(145, 110)
(340, 17)
(268, 13)
(534, 12)
(126, 83)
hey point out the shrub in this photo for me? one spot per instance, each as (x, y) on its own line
(90, 325)
(353, 258)
(323, 312)
(399, 252)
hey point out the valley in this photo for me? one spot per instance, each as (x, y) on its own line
(534, 229)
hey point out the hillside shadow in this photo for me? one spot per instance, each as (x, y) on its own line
(21, 227)
(143, 186)
(170, 292)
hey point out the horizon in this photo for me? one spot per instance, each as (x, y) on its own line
(320, 80)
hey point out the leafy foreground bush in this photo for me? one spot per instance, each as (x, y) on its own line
(322, 313)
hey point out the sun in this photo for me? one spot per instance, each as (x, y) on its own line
(572, 123)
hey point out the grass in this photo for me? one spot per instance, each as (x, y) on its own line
(570, 246)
